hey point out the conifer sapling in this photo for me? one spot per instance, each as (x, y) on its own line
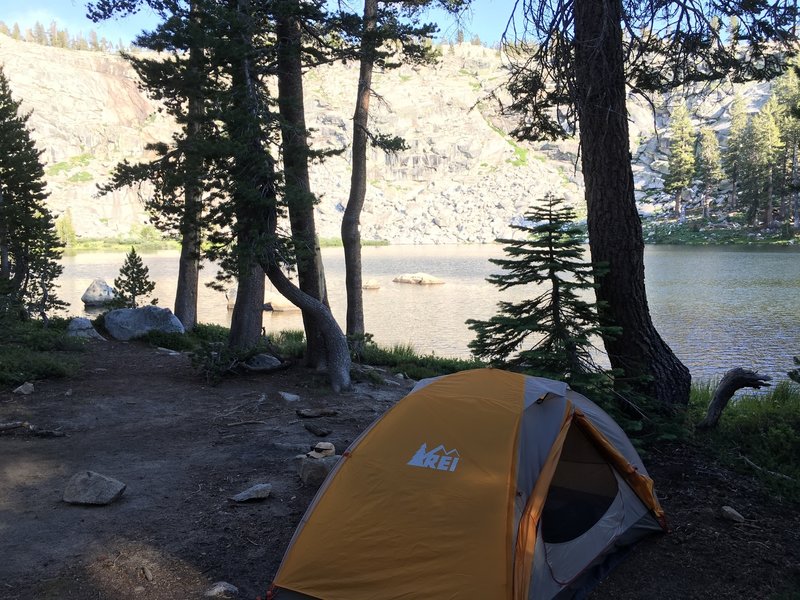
(134, 281)
(550, 334)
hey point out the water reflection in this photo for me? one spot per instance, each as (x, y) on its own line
(716, 307)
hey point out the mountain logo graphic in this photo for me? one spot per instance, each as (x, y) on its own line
(439, 458)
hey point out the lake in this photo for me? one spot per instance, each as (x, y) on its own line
(717, 307)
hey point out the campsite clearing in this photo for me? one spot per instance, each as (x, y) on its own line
(183, 448)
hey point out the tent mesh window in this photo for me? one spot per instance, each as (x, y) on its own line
(582, 490)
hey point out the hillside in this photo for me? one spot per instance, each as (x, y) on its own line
(463, 180)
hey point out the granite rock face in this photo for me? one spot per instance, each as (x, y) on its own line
(463, 179)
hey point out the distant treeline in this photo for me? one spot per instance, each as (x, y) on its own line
(60, 38)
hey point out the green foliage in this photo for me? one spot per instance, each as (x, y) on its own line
(32, 350)
(761, 428)
(209, 332)
(180, 342)
(80, 177)
(794, 374)
(65, 230)
(759, 160)
(79, 160)
(28, 240)
(696, 232)
(709, 165)
(550, 334)
(133, 282)
(681, 151)
(291, 343)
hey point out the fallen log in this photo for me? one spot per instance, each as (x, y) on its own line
(30, 429)
(734, 380)
(13, 425)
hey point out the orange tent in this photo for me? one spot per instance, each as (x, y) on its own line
(482, 484)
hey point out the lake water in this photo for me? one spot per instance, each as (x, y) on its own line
(718, 308)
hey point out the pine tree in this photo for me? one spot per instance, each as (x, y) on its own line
(735, 151)
(681, 154)
(549, 335)
(760, 160)
(133, 281)
(29, 248)
(709, 166)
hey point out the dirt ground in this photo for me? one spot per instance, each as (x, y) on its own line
(183, 447)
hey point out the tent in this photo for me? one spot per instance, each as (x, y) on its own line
(484, 485)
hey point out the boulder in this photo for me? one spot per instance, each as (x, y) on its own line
(277, 303)
(418, 279)
(99, 293)
(88, 487)
(83, 328)
(262, 363)
(129, 323)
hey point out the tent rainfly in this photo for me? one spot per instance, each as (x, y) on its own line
(481, 484)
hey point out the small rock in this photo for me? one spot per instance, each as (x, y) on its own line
(139, 589)
(289, 397)
(148, 574)
(25, 389)
(313, 413)
(256, 492)
(418, 279)
(732, 514)
(221, 589)
(371, 284)
(68, 393)
(88, 487)
(313, 471)
(317, 431)
(322, 450)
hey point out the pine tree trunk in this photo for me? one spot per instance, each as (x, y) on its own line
(248, 311)
(351, 235)
(5, 263)
(311, 276)
(189, 262)
(768, 211)
(336, 351)
(258, 168)
(615, 233)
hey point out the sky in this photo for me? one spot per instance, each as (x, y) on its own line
(486, 19)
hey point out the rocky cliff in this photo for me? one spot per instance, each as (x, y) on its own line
(462, 180)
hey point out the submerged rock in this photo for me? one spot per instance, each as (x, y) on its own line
(418, 279)
(99, 293)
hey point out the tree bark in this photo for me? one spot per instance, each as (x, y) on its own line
(615, 233)
(351, 234)
(337, 352)
(248, 311)
(734, 380)
(189, 261)
(259, 223)
(300, 200)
